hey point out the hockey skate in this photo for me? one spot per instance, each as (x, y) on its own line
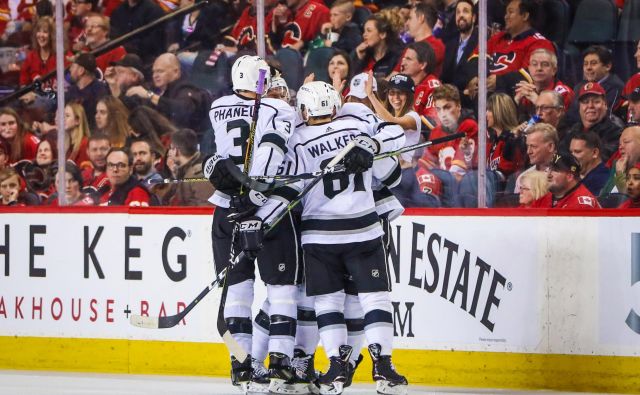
(259, 383)
(351, 370)
(241, 373)
(388, 381)
(304, 370)
(281, 376)
(332, 382)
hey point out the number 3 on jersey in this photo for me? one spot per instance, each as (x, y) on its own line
(336, 183)
(239, 129)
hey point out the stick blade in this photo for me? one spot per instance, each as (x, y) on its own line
(144, 322)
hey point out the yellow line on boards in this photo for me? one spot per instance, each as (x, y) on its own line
(424, 367)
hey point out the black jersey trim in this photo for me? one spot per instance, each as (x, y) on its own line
(276, 140)
(339, 225)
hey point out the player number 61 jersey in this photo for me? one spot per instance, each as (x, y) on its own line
(339, 209)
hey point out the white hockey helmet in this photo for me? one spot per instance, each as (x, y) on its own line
(245, 72)
(279, 88)
(317, 99)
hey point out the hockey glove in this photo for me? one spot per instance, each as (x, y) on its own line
(215, 169)
(360, 158)
(245, 205)
(250, 235)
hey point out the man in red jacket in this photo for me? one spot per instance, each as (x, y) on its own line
(125, 189)
(565, 188)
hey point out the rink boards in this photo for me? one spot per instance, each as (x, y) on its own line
(486, 298)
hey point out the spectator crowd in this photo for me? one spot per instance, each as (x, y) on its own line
(563, 104)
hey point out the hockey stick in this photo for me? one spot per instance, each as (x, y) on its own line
(420, 145)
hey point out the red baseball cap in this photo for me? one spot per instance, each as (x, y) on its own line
(591, 88)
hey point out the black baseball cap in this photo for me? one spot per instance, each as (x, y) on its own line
(402, 82)
(87, 61)
(130, 60)
(564, 161)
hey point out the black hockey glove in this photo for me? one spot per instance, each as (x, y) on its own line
(360, 158)
(215, 169)
(250, 235)
(245, 205)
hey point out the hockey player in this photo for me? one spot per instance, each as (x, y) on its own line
(340, 212)
(231, 118)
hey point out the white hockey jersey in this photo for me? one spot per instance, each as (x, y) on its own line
(339, 209)
(231, 121)
(386, 172)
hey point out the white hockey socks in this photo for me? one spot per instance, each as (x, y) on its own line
(378, 319)
(331, 325)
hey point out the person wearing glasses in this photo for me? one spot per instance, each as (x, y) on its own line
(125, 189)
(543, 67)
(96, 33)
(550, 108)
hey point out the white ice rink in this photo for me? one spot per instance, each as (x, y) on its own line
(54, 383)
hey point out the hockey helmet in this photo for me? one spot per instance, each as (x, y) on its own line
(245, 72)
(317, 99)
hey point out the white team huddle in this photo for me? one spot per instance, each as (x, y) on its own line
(325, 265)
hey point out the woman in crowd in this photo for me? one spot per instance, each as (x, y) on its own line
(505, 154)
(77, 133)
(533, 186)
(73, 188)
(112, 120)
(23, 143)
(381, 46)
(339, 70)
(147, 122)
(39, 175)
(633, 188)
(41, 59)
(398, 108)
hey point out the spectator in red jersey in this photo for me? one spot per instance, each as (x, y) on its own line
(461, 45)
(112, 120)
(73, 188)
(96, 33)
(340, 32)
(23, 143)
(308, 17)
(594, 116)
(77, 11)
(456, 156)
(245, 30)
(634, 82)
(422, 19)
(125, 189)
(597, 68)
(41, 59)
(633, 188)
(543, 67)
(505, 144)
(633, 111)
(339, 70)
(585, 147)
(94, 175)
(628, 153)
(535, 185)
(380, 47)
(511, 49)
(5, 153)
(418, 63)
(542, 145)
(565, 189)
